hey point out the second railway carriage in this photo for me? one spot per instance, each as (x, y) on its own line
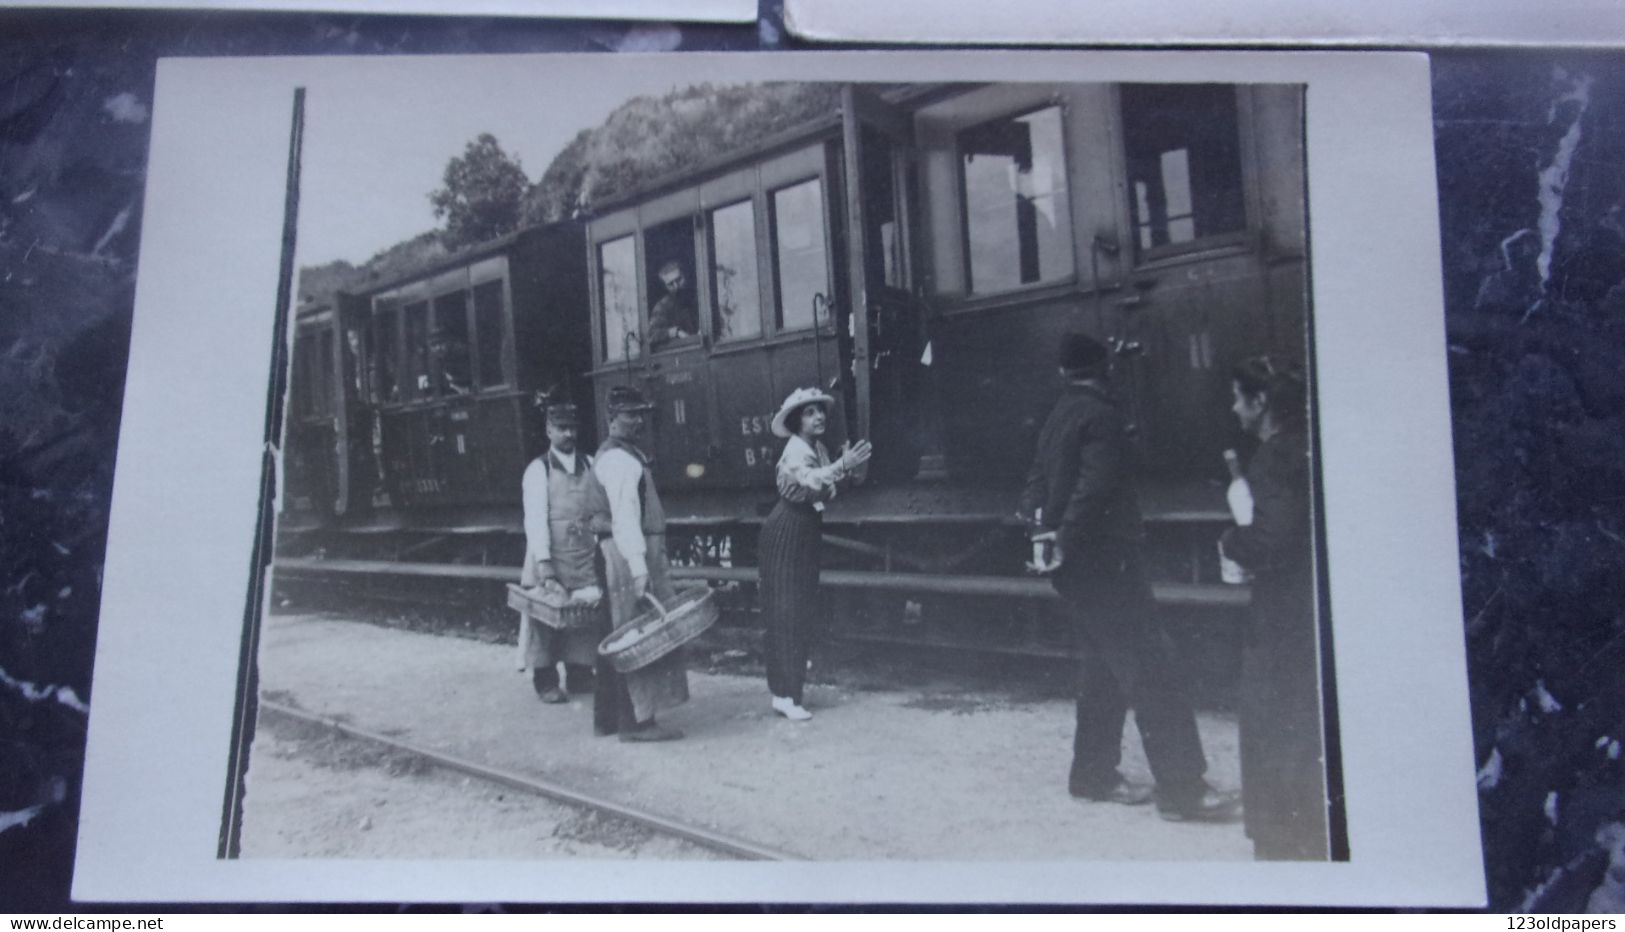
(421, 409)
(919, 252)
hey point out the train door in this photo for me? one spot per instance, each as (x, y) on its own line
(1196, 301)
(313, 468)
(888, 328)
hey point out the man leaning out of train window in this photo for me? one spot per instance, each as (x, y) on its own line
(675, 316)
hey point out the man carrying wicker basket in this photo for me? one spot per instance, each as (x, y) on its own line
(635, 565)
(565, 514)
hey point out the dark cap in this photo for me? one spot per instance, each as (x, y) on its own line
(1082, 353)
(563, 414)
(625, 398)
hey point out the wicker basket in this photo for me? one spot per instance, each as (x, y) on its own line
(661, 630)
(553, 609)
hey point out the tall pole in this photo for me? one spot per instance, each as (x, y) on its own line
(242, 727)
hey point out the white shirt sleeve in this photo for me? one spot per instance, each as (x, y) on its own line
(533, 488)
(619, 472)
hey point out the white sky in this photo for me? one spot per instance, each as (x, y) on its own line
(377, 141)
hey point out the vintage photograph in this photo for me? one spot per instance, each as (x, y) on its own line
(677, 468)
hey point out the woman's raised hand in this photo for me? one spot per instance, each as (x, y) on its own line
(856, 455)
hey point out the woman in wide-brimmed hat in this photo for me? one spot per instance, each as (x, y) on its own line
(790, 538)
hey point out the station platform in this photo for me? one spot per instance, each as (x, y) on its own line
(922, 767)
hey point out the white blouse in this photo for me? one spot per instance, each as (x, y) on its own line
(805, 473)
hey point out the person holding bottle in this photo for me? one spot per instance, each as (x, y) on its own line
(1081, 499)
(790, 541)
(1283, 766)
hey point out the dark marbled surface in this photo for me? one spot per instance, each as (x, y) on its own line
(1537, 362)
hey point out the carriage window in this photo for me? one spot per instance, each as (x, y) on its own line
(800, 261)
(322, 368)
(382, 361)
(449, 362)
(490, 329)
(618, 291)
(1184, 162)
(1018, 224)
(417, 350)
(883, 241)
(674, 318)
(736, 297)
(303, 390)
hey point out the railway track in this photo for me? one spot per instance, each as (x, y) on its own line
(728, 846)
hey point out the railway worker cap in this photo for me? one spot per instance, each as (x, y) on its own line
(627, 399)
(798, 399)
(1081, 353)
(563, 414)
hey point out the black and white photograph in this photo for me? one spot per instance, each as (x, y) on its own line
(872, 459)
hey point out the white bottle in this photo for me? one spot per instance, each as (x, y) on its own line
(1240, 497)
(1240, 494)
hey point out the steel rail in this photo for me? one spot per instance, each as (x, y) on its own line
(1167, 593)
(733, 847)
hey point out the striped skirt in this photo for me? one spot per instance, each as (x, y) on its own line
(789, 550)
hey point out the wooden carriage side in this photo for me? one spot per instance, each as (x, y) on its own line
(965, 230)
(453, 355)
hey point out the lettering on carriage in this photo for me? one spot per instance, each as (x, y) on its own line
(679, 378)
(762, 455)
(752, 425)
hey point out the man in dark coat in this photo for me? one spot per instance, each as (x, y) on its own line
(1283, 760)
(1081, 495)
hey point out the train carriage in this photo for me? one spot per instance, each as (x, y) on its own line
(432, 381)
(922, 253)
(919, 253)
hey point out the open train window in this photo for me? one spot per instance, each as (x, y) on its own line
(383, 361)
(736, 295)
(304, 388)
(1182, 144)
(450, 368)
(322, 368)
(1018, 220)
(674, 317)
(415, 343)
(491, 332)
(618, 295)
(800, 255)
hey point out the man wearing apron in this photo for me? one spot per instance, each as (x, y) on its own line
(565, 512)
(634, 564)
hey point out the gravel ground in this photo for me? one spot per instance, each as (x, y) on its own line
(922, 765)
(315, 793)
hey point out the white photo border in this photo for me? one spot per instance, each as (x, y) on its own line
(185, 506)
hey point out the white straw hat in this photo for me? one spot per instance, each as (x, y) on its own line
(797, 399)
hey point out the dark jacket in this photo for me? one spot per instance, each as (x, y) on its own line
(1279, 541)
(1282, 754)
(1082, 474)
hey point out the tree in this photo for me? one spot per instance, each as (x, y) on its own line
(482, 193)
(647, 138)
